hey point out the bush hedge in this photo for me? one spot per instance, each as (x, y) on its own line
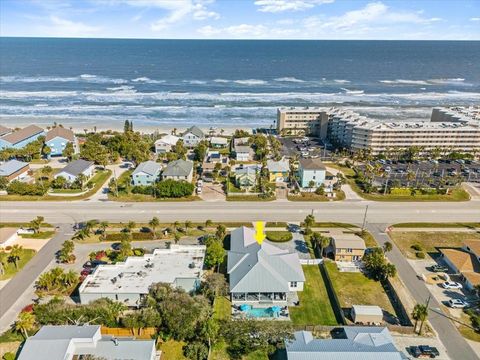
(135, 236)
(279, 236)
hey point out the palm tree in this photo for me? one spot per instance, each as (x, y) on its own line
(154, 223)
(70, 278)
(103, 227)
(309, 221)
(176, 237)
(188, 224)
(320, 242)
(81, 178)
(130, 226)
(3, 260)
(420, 313)
(36, 223)
(15, 254)
(175, 226)
(208, 223)
(24, 323)
(387, 246)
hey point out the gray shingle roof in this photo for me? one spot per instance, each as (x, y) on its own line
(22, 134)
(195, 131)
(148, 167)
(312, 164)
(242, 149)
(178, 168)
(360, 343)
(77, 167)
(12, 166)
(260, 268)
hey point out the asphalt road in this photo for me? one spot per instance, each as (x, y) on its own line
(455, 344)
(342, 211)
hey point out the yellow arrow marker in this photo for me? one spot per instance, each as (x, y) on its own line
(259, 231)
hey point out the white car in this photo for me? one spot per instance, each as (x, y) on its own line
(305, 153)
(199, 183)
(199, 190)
(451, 285)
(457, 303)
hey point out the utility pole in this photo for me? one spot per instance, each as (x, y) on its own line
(365, 218)
(386, 186)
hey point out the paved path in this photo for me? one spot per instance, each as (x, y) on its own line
(23, 281)
(102, 193)
(457, 347)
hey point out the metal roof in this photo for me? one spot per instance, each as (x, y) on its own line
(148, 167)
(77, 167)
(168, 139)
(278, 166)
(12, 166)
(195, 131)
(59, 131)
(219, 140)
(178, 168)
(22, 134)
(367, 310)
(348, 241)
(260, 268)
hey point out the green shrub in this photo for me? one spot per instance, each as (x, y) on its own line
(8, 356)
(420, 255)
(173, 189)
(20, 188)
(134, 236)
(401, 191)
(417, 247)
(279, 236)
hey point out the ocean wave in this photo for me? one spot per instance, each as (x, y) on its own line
(251, 82)
(147, 80)
(289, 79)
(122, 88)
(405, 82)
(353, 92)
(339, 81)
(221, 81)
(195, 82)
(33, 79)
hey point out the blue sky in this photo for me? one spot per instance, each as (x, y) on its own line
(243, 19)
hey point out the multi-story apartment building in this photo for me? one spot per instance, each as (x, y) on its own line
(302, 121)
(455, 128)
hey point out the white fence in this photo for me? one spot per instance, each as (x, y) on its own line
(310, 261)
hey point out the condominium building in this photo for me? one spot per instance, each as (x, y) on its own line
(454, 128)
(302, 121)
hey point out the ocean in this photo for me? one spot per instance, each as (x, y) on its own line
(221, 83)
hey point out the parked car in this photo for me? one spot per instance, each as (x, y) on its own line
(199, 183)
(457, 303)
(424, 351)
(86, 271)
(451, 285)
(199, 190)
(93, 264)
(438, 268)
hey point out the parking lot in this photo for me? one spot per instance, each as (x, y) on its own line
(309, 147)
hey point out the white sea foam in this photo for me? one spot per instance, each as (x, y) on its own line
(339, 81)
(221, 81)
(147, 80)
(289, 79)
(250, 82)
(353, 92)
(195, 82)
(33, 79)
(405, 82)
(121, 88)
(88, 76)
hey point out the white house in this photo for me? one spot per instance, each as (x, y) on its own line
(243, 153)
(75, 168)
(192, 136)
(165, 143)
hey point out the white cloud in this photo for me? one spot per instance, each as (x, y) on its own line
(274, 6)
(67, 28)
(247, 31)
(475, 19)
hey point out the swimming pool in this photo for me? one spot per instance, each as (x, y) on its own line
(260, 312)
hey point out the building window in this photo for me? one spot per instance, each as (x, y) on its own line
(293, 284)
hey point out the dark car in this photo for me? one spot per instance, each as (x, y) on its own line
(93, 264)
(424, 351)
(439, 268)
(86, 271)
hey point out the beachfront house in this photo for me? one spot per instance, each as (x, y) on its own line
(165, 143)
(76, 342)
(58, 138)
(261, 275)
(278, 170)
(14, 170)
(192, 136)
(75, 168)
(246, 176)
(465, 262)
(218, 142)
(128, 282)
(4, 130)
(311, 172)
(20, 138)
(349, 343)
(178, 170)
(347, 247)
(146, 173)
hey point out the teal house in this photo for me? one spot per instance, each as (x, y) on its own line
(58, 138)
(20, 138)
(311, 171)
(146, 173)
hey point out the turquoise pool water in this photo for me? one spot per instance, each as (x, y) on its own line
(260, 313)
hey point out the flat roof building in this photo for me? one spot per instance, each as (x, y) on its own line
(129, 281)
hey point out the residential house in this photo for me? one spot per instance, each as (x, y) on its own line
(351, 343)
(179, 170)
(4, 130)
(211, 160)
(128, 282)
(464, 262)
(75, 168)
(14, 170)
(165, 144)
(311, 171)
(8, 236)
(246, 176)
(18, 139)
(347, 247)
(261, 274)
(367, 314)
(218, 142)
(58, 138)
(278, 170)
(76, 342)
(146, 173)
(243, 153)
(192, 136)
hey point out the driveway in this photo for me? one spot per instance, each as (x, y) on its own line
(403, 343)
(212, 192)
(297, 245)
(117, 170)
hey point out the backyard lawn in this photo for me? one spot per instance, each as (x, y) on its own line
(222, 308)
(9, 267)
(315, 307)
(172, 350)
(356, 289)
(429, 240)
(219, 352)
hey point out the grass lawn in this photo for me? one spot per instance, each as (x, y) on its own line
(437, 225)
(39, 235)
(219, 352)
(467, 332)
(315, 307)
(430, 241)
(9, 267)
(172, 350)
(67, 191)
(308, 196)
(279, 236)
(368, 238)
(222, 308)
(248, 198)
(357, 289)
(22, 224)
